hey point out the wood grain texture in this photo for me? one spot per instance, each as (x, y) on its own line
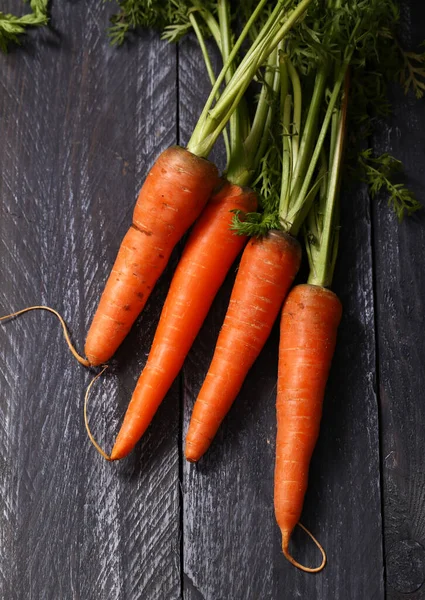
(81, 124)
(400, 301)
(231, 544)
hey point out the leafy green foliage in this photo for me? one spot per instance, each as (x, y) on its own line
(254, 224)
(12, 27)
(412, 73)
(139, 13)
(267, 186)
(361, 33)
(180, 24)
(378, 172)
(171, 17)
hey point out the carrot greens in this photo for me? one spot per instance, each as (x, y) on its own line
(334, 36)
(12, 27)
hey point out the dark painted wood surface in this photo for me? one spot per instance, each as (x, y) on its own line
(80, 124)
(400, 319)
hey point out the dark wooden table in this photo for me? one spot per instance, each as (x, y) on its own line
(80, 124)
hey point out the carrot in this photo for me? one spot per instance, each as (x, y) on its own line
(308, 330)
(208, 255)
(267, 269)
(172, 197)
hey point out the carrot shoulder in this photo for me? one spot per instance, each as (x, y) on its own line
(207, 257)
(173, 195)
(267, 269)
(308, 330)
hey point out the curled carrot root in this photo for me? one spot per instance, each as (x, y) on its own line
(86, 420)
(83, 361)
(292, 560)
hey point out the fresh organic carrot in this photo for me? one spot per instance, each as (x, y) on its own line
(308, 330)
(267, 269)
(172, 197)
(208, 255)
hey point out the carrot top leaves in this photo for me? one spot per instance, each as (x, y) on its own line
(379, 173)
(12, 27)
(132, 14)
(172, 17)
(334, 35)
(412, 74)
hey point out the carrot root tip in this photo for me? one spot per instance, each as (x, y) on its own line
(291, 559)
(86, 420)
(83, 361)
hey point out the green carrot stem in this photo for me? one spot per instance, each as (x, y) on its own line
(300, 208)
(243, 162)
(308, 135)
(210, 22)
(287, 157)
(324, 262)
(225, 36)
(197, 134)
(285, 116)
(212, 121)
(261, 148)
(297, 95)
(210, 70)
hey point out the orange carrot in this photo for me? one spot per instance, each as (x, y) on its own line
(267, 269)
(208, 255)
(172, 197)
(310, 319)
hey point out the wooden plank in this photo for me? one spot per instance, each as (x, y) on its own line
(231, 544)
(400, 300)
(80, 125)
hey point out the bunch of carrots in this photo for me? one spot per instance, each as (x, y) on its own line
(310, 63)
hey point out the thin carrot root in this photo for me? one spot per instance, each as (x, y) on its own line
(83, 361)
(86, 420)
(285, 548)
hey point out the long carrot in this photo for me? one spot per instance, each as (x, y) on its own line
(172, 197)
(210, 251)
(267, 269)
(308, 330)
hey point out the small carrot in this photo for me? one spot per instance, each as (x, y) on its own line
(308, 330)
(208, 255)
(267, 269)
(172, 197)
